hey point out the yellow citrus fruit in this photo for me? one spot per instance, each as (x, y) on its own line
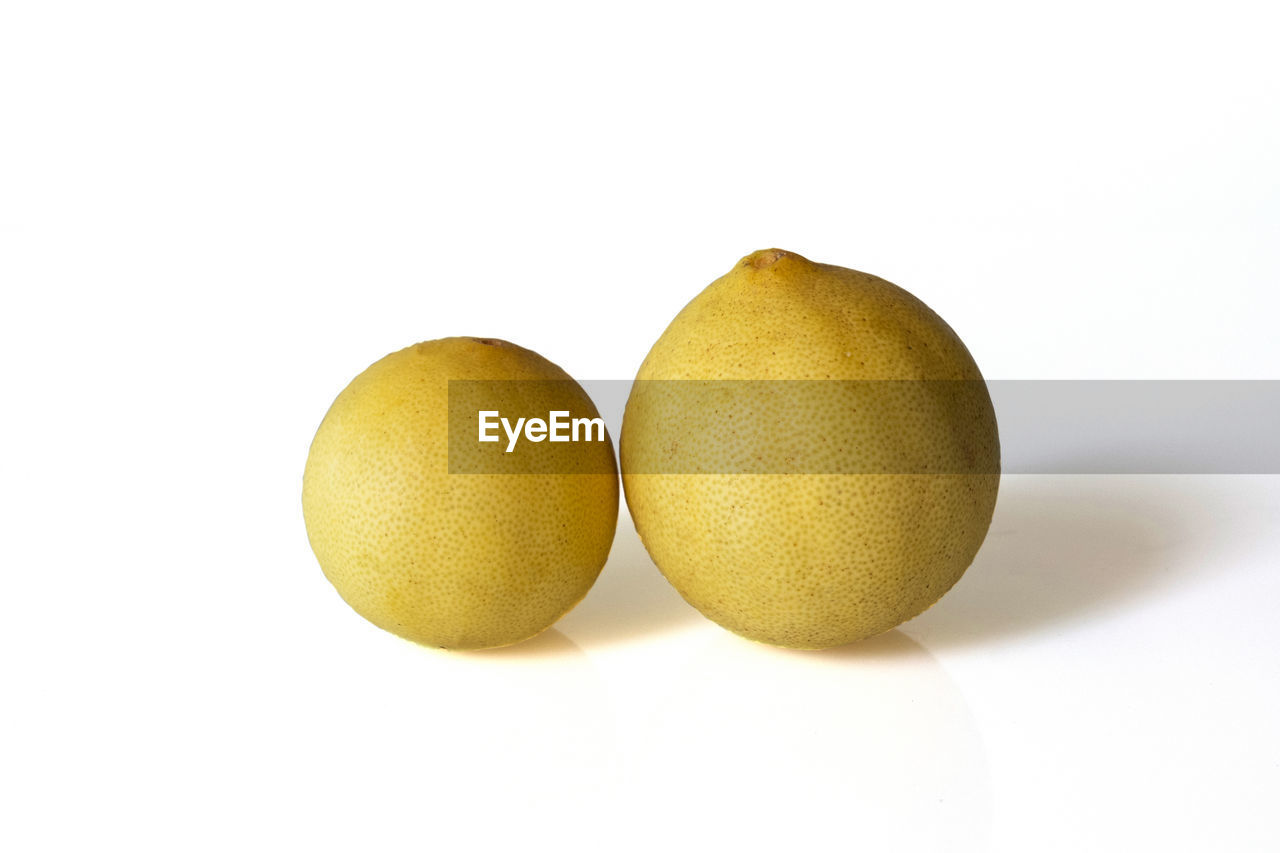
(809, 453)
(417, 541)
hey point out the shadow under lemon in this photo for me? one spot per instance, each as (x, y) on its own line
(1061, 549)
(547, 644)
(630, 600)
(1066, 549)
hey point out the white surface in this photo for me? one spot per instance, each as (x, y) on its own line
(212, 217)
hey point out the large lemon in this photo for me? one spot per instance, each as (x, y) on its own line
(456, 543)
(809, 453)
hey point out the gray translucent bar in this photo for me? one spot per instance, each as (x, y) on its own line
(1139, 426)
(1045, 426)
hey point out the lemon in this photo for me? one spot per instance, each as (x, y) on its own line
(809, 453)
(424, 541)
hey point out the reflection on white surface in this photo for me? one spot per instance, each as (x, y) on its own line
(1104, 677)
(867, 747)
(491, 745)
(517, 711)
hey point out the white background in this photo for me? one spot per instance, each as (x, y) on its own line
(213, 215)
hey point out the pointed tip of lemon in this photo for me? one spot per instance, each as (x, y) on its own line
(768, 257)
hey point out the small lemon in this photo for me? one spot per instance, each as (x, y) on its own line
(417, 541)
